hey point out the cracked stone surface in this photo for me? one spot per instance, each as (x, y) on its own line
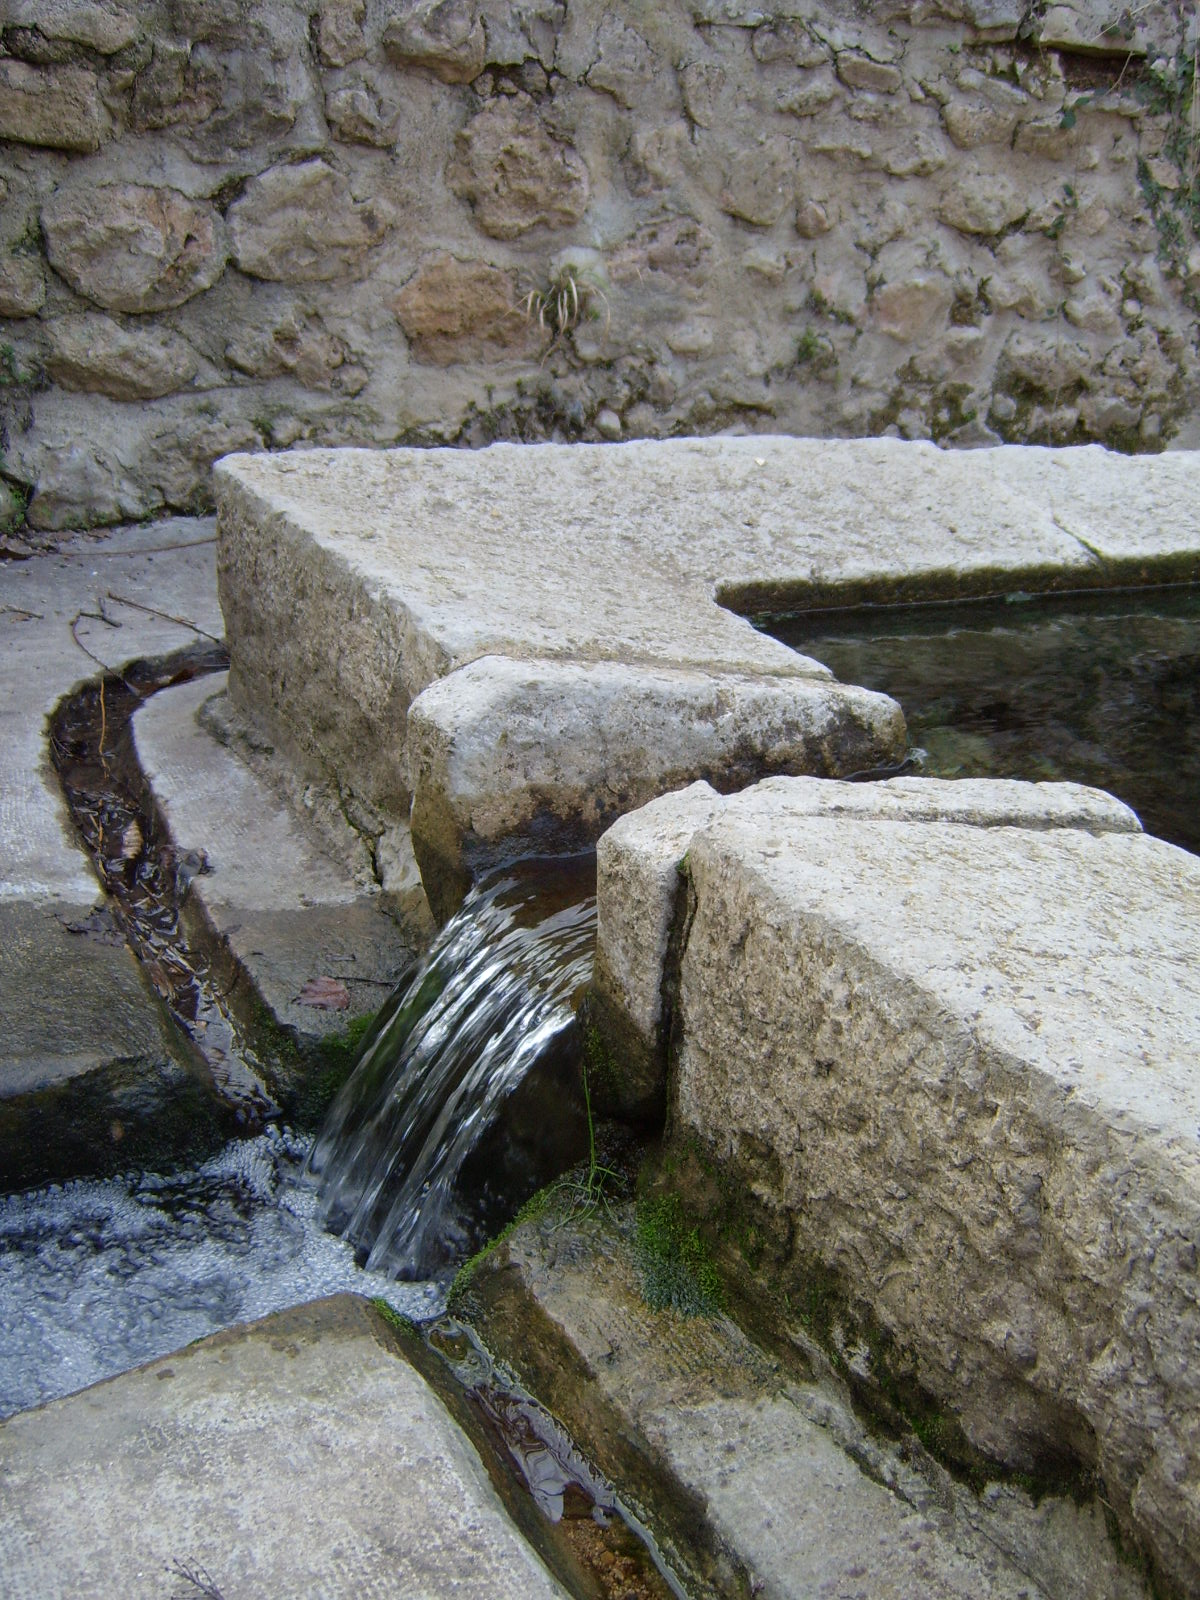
(299, 1454)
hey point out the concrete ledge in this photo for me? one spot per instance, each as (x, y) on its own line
(949, 1060)
(282, 908)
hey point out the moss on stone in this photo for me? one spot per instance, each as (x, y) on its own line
(677, 1270)
(404, 1326)
(805, 1312)
(336, 1056)
(536, 1206)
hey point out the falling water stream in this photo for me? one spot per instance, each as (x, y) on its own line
(441, 1130)
(101, 1273)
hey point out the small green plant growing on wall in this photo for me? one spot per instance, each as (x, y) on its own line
(573, 294)
(1171, 87)
(815, 353)
(1067, 205)
(10, 372)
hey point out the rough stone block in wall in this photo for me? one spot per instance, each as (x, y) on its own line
(375, 222)
(132, 247)
(58, 107)
(300, 223)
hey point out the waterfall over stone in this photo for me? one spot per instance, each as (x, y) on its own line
(467, 1093)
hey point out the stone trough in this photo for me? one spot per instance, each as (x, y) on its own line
(940, 1038)
(525, 642)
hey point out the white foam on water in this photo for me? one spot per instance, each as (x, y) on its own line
(97, 1276)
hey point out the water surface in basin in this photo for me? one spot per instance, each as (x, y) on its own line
(1100, 689)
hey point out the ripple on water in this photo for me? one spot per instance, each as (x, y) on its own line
(97, 1276)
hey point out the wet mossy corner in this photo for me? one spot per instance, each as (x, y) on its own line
(809, 1318)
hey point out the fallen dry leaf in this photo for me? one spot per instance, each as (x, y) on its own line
(325, 994)
(98, 925)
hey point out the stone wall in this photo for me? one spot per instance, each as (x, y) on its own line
(334, 221)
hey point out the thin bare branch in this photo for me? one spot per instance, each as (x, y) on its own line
(155, 549)
(167, 616)
(95, 616)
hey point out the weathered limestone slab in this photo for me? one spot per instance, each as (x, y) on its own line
(22, 286)
(454, 310)
(133, 247)
(105, 26)
(754, 1480)
(296, 1455)
(950, 1056)
(642, 857)
(353, 580)
(503, 747)
(1124, 509)
(94, 353)
(515, 173)
(302, 224)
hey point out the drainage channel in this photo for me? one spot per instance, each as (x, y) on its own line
(91, 747)
(570, 1513)
(594, 1545)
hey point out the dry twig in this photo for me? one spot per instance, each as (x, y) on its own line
(167, 616)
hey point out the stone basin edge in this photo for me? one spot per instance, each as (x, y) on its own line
(986, 1218)
(388, 611)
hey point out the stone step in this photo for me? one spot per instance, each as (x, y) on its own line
(755, 1480)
